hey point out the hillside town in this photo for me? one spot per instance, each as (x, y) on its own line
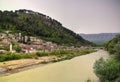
(14, 42)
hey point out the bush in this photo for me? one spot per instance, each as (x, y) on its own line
(18, 48)
(14, 56)
(4, 48)
(107, 70)
(9, 56)
(111, 44)
(117, 51)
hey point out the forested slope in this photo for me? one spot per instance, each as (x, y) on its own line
(36, 24)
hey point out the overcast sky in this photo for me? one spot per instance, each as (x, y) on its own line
(81, 16)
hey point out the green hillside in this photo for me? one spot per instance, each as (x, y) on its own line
(112, 44)
(36, 24)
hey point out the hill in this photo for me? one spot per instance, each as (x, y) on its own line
(32, 23)
(99, 38)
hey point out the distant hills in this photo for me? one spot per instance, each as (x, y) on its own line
(99, 38)
(32, 23)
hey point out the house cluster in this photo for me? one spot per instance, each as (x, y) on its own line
(28, 44)
(39, 46)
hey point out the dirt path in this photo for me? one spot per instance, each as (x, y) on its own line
(78, 69)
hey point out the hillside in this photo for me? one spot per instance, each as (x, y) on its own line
(99, 38)
(112, 44)
(32, 23)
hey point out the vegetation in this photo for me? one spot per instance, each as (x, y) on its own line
(9, 56)
(17, 48)
(110, 46)
(109, 70)
(88, 80)
(117, 51)
(4, 48)
(15, 56)
(113, 47)
(60, 55)
(36, 24)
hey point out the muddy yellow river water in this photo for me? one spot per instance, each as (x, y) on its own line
(78, 69)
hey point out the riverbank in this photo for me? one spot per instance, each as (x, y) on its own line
(78, 69)
(13, 66)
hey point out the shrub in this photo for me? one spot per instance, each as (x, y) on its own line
(117, 51)
(4, 48)
(18, 48)
(107, 70)
(111, 44)
(14, 56)
(9, 56)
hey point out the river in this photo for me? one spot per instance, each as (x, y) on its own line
(78, 69)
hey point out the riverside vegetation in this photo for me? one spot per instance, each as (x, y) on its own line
(60, 55)
(109, 70)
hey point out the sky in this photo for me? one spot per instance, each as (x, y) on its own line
(80, 16)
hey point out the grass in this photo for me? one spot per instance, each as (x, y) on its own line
(60, 55)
